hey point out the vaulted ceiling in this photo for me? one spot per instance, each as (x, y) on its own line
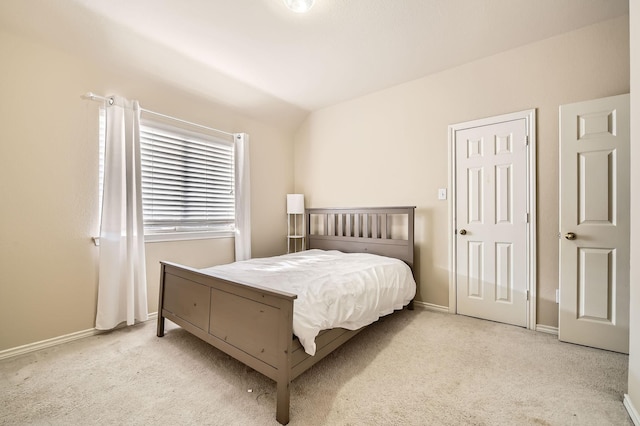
(257, 50)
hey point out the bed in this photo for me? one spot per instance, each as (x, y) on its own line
(255, 324)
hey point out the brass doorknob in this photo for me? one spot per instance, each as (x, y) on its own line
(463, 232)
(570, 236)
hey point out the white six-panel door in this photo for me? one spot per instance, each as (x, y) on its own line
(491, 219)
(594, 223)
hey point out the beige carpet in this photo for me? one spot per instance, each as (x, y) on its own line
(413, 368)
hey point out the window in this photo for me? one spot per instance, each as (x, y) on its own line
(187, 180)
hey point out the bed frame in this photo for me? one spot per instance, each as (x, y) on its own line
(255, 325)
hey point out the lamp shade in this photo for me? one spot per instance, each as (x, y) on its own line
(295, 203)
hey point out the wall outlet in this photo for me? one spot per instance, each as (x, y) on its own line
(442, 194)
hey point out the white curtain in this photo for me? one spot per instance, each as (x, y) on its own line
(122, 287)
(242, 197)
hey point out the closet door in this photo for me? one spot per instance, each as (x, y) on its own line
(594, 223)
(492, 221)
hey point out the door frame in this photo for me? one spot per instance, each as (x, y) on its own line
(530, 119)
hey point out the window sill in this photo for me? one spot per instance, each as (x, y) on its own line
(179, 236)
(185, 236)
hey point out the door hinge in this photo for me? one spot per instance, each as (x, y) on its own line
(526, 140)
(527, 294)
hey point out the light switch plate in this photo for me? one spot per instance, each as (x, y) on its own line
(442, 194)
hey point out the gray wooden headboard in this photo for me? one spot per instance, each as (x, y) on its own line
(387, 231)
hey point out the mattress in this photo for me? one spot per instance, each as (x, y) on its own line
(334, 289)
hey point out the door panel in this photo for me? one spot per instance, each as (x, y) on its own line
(504, 272)
(595, 285)
(503, 194)
(491, 220)
(596, 186)
(474, 276)
(594, 223)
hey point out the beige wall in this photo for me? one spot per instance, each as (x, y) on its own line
(390, 147)
(633, 396)
(386, 148)
(48, 185)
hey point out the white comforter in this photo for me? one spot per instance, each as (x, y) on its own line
(334, 289)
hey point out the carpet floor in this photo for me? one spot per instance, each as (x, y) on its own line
(411, 368)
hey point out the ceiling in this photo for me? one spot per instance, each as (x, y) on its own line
(257, 51)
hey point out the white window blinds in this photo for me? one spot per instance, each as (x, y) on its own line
(187, 180)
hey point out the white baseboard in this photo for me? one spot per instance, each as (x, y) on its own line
(445, 309)
(55, 341)
(547, 329)
(431, 307)
(43, 344)
(633, 413)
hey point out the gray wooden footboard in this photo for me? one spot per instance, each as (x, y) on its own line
(255, 325)
(251, 324)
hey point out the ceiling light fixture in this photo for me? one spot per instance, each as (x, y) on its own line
(299, 6)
